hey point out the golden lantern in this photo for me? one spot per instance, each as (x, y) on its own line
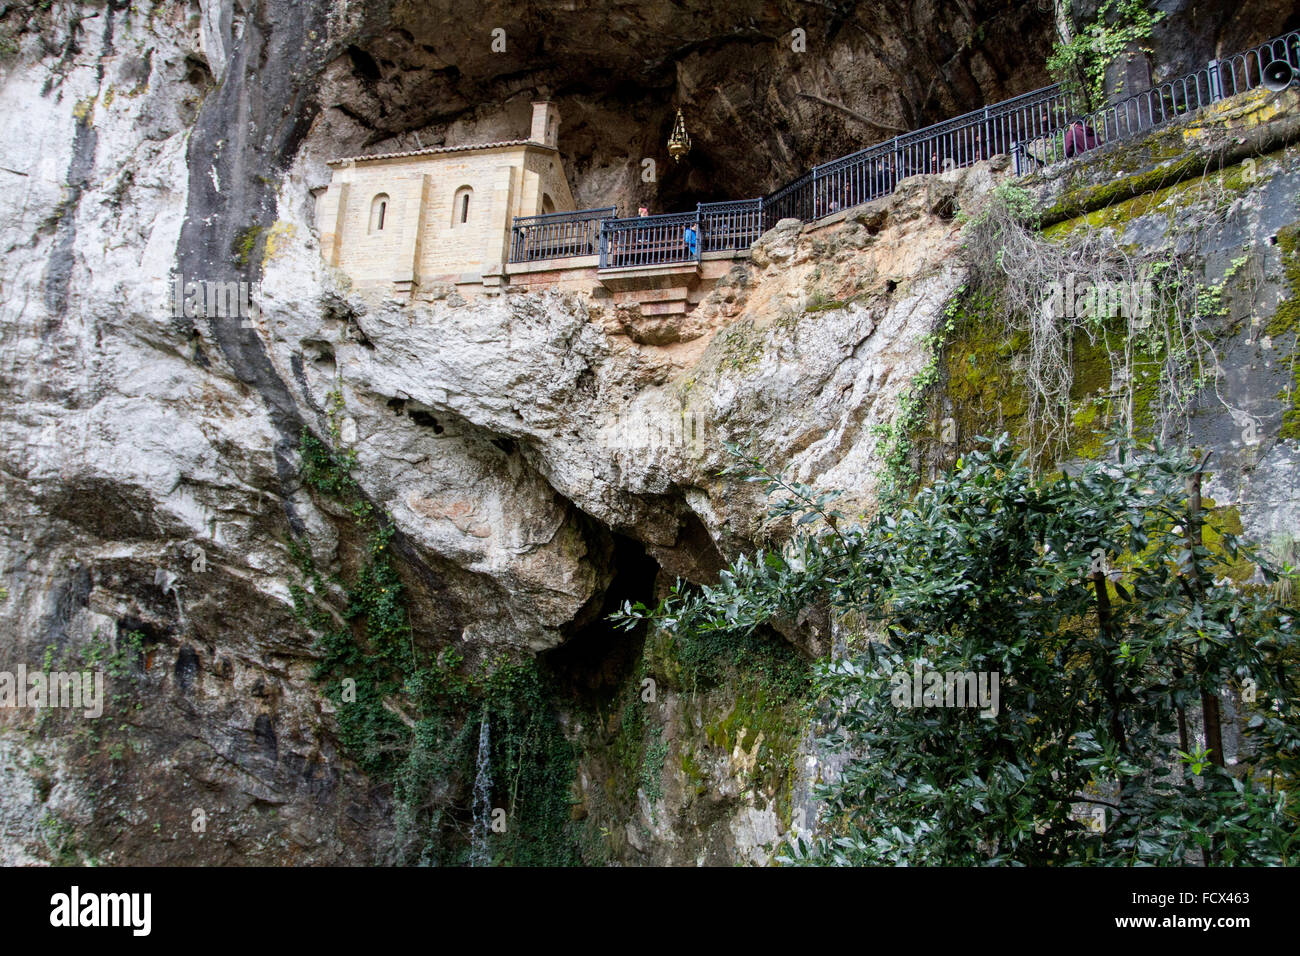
(679, 143)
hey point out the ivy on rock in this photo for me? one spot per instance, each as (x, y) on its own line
(410, 717)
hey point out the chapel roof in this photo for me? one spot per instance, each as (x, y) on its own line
(431, 150)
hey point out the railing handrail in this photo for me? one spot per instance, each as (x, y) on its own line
(557, 235)
(1019, 102)
(659, 219)
(984, 128)
(730, 204)
(979, 117)
(637, 242)
(602, 212)
(788, 187)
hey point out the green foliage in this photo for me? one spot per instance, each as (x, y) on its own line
(324, 471)
(1080, 63)
(124, 667)
(1020, 202)
(1209, 297)
(1015, 202)
(896, 436)
(755, 687)
(707, 658)
(1133, 348)
(1286, 322)
(244, 244)
(534, 764)
(996, 571)
(819, 301)
(127, 657)
(60, 839)
(408, 724)
(652, 768)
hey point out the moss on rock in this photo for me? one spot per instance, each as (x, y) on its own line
(978, 360)
(1116, 210)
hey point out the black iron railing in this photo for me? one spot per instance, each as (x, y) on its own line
(728, 226)
(1036, 129)
(650, 240)
(641, 240)
(1134, 114)
(875, 171)
(558, 235)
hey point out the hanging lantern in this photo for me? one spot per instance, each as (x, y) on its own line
(679, 143)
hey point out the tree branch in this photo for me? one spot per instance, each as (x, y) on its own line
(853, 113)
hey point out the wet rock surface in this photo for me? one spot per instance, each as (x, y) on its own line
(541, 455)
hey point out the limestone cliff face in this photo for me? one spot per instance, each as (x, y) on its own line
(542, 456)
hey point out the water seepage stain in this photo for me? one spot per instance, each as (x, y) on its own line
(58, 269)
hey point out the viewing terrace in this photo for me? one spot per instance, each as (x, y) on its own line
(666, 263)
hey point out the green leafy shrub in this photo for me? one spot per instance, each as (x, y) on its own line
(1079, 62)
(1110, 625)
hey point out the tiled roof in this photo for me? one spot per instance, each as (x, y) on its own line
(430, 150)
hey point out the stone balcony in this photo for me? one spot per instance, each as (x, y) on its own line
(659, 290)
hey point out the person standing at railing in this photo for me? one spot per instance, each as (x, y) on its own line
(1079, 138)
(844, 200)
(886, 175)
(632, 249)
(692, 237)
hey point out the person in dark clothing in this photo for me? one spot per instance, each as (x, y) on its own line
(886, 175)
(1079, 138)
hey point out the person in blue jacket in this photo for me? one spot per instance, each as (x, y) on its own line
(692, 238)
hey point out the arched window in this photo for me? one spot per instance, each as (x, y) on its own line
(548, 204)
(378, 213)
(460, 205)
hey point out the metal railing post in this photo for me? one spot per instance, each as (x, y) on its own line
(1216, 81)
(1041, 117)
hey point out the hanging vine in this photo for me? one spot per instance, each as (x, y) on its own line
(1150, 311)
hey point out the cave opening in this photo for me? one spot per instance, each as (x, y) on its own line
(593, 664)
(759, 116)
(364, 64)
